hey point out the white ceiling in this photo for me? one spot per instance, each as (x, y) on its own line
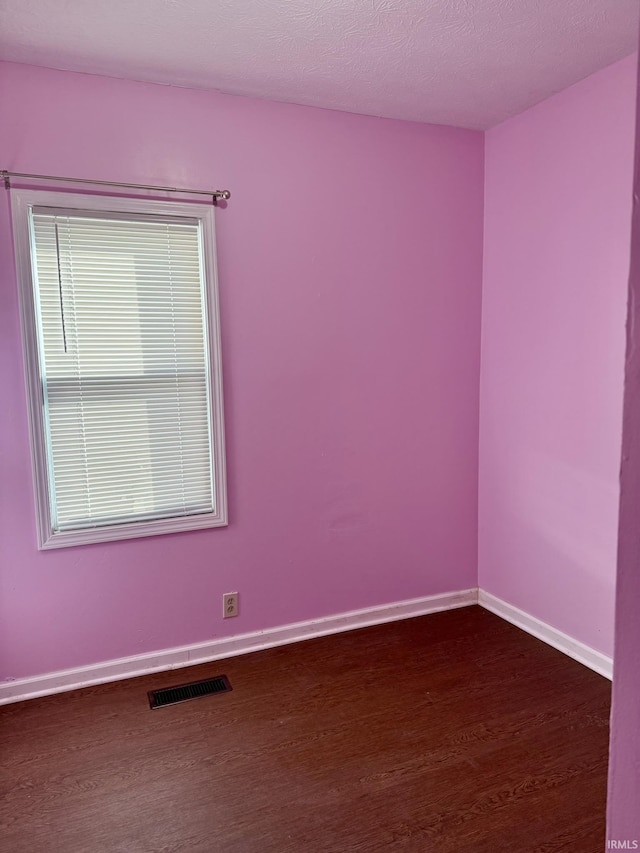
(471, 63)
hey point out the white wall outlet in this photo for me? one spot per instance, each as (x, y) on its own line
(230, 604)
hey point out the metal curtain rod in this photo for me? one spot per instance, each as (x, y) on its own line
(215, 194)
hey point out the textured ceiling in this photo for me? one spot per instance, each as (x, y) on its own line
(462, 62)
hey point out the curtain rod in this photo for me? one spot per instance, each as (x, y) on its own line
(215, 194)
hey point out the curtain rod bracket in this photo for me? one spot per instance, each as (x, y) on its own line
(215, 194)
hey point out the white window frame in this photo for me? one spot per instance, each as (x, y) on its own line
(22, 202)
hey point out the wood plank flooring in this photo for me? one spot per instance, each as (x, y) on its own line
(452, 732)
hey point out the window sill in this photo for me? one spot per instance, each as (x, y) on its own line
(132, 530)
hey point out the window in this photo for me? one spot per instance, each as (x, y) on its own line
(122, 351)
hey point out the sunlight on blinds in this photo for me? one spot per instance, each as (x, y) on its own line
(123, 354)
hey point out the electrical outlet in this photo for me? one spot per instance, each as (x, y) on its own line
(230, 604)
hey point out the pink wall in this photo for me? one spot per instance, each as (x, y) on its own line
(350, 273)
(624, 776)
(557, 220)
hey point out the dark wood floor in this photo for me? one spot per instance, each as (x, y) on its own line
(451, 732)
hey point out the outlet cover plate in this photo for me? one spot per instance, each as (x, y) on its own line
(230, 604)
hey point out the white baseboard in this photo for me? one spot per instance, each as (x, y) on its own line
(552, 636)
(167, 659)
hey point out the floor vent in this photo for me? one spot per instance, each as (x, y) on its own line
(184, 692)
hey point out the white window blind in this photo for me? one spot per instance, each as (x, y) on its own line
(124, 366)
